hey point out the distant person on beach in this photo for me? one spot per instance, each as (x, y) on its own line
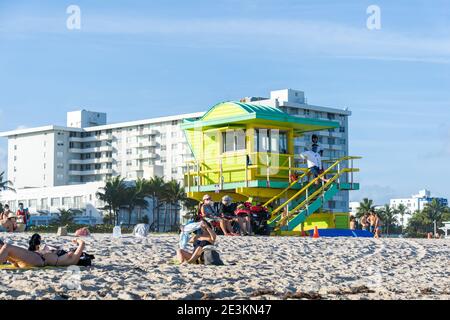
(314, 162)
(372, 220)
(352, 223)
(226, 212)
(203, 237)
(378, 225)
(23, 215)
(9, 224)
(364, 222)
(4, 215)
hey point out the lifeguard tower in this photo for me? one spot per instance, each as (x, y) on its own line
(247, 151)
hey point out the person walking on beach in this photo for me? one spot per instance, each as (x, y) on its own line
(378, 225)
(372, 221)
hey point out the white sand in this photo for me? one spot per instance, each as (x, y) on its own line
(256, 268)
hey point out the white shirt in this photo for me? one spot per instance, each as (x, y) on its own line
(313, 159)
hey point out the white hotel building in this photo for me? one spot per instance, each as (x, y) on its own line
(55, 167)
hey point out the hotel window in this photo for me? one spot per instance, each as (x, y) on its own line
(32, 203)
(232, 140)
(109, 165)
(129, 151)
(60, 143)
(173, 134)
(66, 201)
(163, 159)
(98, 155)
(15, 158)
(331, 140)
(174, 146)
(59, 176)
(306, 112)
(163, 135)
(342, 129)
(98, 166)
(331, 116)
(15, 147)
(128, 163)
(174, 170)
(174, 122)
(60, 165)
(163, 148)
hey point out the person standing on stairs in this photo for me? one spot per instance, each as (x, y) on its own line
(314, 162)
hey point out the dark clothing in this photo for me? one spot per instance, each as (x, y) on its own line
(227, 211)
(201, 243)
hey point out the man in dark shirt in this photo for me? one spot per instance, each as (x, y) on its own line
(226, 212)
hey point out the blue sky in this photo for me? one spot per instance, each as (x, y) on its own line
(156, 58)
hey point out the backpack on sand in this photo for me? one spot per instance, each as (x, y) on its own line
(211, 256)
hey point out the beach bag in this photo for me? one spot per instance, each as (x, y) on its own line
(211, 256)
(141, 230)
(62, 231)
(83, 232)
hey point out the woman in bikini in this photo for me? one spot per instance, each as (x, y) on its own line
(36, 257)
(205, 237)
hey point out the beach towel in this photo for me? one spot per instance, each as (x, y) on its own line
(13, 267)
(141, 230)
(186, 230)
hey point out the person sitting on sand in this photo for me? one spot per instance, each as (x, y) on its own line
(9, 224)
(204, 237)
(226, 212)
(33, 257)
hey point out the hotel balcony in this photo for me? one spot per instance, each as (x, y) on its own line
(149, 155)
(91, 138)
(91, 150)
(90, 172)
(90, 161)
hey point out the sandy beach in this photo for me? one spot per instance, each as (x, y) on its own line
(255, 268)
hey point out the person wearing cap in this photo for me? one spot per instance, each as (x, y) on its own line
(9, 224)
(206, 209)
(226, 212)
(314, 161)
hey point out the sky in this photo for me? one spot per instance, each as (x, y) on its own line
(143, 59)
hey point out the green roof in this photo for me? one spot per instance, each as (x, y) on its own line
(242, 113)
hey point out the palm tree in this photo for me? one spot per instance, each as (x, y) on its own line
(5, 184)
(155, 190)
(434, 211)
(113, 194)
(365, 207)
(134, 196)
(402, 210)
(388, 216)
(65, 217)
(174, 194)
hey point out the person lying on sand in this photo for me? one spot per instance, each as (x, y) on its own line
(33, 257)
(205, 237)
